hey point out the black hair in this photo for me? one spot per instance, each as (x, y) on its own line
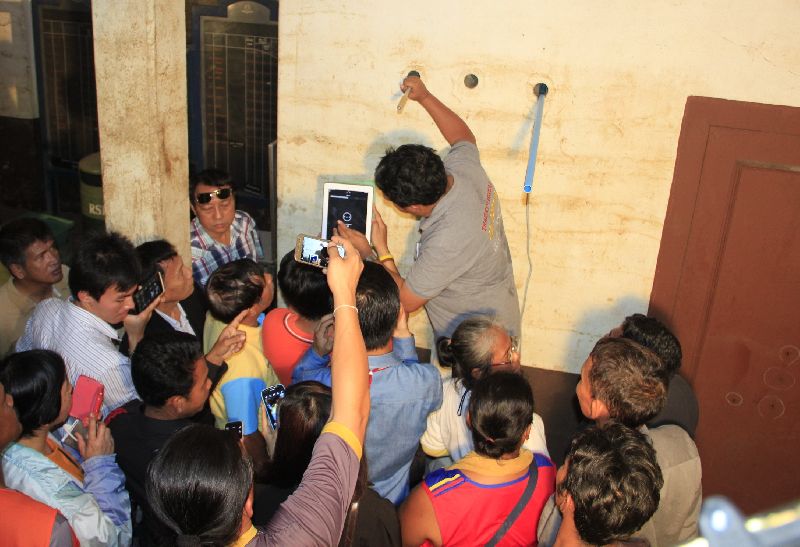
(209, 177)
(197, 486)
(500, 410)
(303, 412)
(614, 480)
(150, 255)
(627, 378)
(304, 288)
(104, 260)
(163, 366)
(469, 348)
(378, 303)
(412, 174)
(19, 234)
(34, 379)
(654, 335)
(234, 287)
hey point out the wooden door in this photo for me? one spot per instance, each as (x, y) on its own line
(728, 282)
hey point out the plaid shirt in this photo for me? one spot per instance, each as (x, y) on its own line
(208, 254)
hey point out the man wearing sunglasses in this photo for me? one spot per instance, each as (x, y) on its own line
(219, 233)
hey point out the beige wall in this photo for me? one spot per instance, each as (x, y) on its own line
(17, 72)
(619, 74)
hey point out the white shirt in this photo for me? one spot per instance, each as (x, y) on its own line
(182, 325)
(447, 432)
(88, 345)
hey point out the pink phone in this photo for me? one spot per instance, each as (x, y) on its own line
(87, 398)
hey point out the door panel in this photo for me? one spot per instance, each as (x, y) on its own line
(728, 282)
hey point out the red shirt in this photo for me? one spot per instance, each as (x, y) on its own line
(283, 342)
(469, 513)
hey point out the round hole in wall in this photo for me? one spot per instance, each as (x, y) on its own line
(471, 81)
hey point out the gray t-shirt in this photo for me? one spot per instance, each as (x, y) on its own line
(463, 264)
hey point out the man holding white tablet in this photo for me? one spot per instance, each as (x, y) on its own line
(462, 265)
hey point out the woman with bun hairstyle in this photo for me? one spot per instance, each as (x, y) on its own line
(478, 348)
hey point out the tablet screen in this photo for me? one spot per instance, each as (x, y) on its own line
(350, 207)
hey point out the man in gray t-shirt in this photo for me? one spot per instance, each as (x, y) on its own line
(462, 265)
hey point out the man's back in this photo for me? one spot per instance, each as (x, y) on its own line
(238, 394)
(678, 512)
(464, 263)
(402, 394)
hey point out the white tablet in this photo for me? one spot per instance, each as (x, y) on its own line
(350, 203)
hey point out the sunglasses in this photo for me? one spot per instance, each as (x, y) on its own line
(205, 197)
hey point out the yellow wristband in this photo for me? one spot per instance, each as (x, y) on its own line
(387, 256)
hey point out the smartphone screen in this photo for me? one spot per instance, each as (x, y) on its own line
(313, 251)
(350, 207)
(149, 291)
(271, 396)
(235, 427)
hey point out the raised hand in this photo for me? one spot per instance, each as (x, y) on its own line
(229, 342)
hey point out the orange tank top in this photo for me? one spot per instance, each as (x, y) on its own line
(62, 459)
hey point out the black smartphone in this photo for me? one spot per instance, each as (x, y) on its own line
(313, 251)
(235, 427)
(271, 396)
(148, 291)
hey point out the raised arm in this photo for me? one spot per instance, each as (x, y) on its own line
(349, 370)
(452, 127)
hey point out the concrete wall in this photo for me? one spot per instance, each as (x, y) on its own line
(619, 74)
(17, 72)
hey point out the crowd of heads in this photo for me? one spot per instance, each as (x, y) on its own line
(610, 481)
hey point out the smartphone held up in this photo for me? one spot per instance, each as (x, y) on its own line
(151, 289)
(271, 396)
(313, 251)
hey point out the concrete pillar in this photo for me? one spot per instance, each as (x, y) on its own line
(140, 63)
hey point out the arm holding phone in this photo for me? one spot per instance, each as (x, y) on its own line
(102, 477)
(136, 323)
(330, 479)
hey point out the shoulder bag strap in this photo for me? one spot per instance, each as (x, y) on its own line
(521, 504)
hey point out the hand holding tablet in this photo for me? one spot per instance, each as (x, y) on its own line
(350, 203)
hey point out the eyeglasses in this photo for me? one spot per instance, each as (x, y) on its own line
(205, 197)
(512, 351)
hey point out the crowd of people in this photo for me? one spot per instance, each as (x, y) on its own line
(370, 445)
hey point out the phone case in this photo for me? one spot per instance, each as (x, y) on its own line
(360, 209)
(270, 397)
(148, 292)
(311, 251)
(87, 398)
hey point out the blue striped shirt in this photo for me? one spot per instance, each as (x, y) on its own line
(88, 345)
